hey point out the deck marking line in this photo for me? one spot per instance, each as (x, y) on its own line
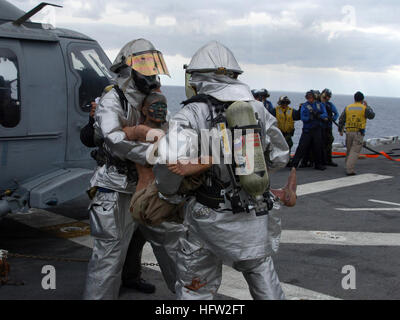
(327, 185)
(340, 238)
(368, 209)
(385, 202)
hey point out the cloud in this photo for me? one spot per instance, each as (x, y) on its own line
(298, 36)
(287, 19)
(75, 13)
(349, 24)
(308, 34)
(165, 21)
(338, 28)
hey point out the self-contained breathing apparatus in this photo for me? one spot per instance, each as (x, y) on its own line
(248, 189)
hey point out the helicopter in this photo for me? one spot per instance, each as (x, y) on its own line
(48, 78)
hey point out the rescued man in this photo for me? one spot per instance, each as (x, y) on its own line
(353, 121)
(147, 206)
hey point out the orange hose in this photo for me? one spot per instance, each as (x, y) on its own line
(371, 156)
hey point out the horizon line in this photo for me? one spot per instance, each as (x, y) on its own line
(300, 92)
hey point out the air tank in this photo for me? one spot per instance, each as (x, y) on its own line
(252, 173)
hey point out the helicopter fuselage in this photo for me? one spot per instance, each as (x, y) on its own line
(48, 77)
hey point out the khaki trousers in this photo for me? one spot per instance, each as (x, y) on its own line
(354, 144)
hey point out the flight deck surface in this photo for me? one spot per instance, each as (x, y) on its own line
(338, 222)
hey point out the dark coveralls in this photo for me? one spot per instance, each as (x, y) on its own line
(132, 267)
(312, 116)
(327, 135)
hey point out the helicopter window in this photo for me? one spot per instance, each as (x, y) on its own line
(93, 72)
(10, 108)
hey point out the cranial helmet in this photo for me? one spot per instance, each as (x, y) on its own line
(310, 93)
(317, 94)
(260, 93)
(284, 100)
(264, 93)
(214, 57)
(326, 93)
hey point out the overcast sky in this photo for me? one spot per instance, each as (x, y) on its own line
(290, 45)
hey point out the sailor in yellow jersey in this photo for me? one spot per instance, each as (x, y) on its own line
(286, 117)
(354, 121)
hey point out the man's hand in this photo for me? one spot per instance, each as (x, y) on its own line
(136, 132)
(143, 133)
(154, 135)
(189, 169)
(341, 133)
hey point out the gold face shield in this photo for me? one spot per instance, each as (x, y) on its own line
(149, 63)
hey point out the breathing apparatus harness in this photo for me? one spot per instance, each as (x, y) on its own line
(103, 157)
(215, 192)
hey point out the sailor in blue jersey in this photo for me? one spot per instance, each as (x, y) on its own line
(313, 114)
(327, 135)
(262, 95)
(267, 104)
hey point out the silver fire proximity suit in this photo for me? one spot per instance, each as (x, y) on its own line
(215, 237)
(111, 223)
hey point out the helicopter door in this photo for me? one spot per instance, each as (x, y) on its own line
(12, 122)
(88, 77)
(33, 129)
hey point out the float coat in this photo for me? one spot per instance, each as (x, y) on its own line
(285, 119)
(355, 117)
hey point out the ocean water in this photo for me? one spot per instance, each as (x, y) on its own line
(386, 122)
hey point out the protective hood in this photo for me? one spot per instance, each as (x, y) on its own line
(221, 87)
(214, 57)
(211, 70)
(134, 96)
